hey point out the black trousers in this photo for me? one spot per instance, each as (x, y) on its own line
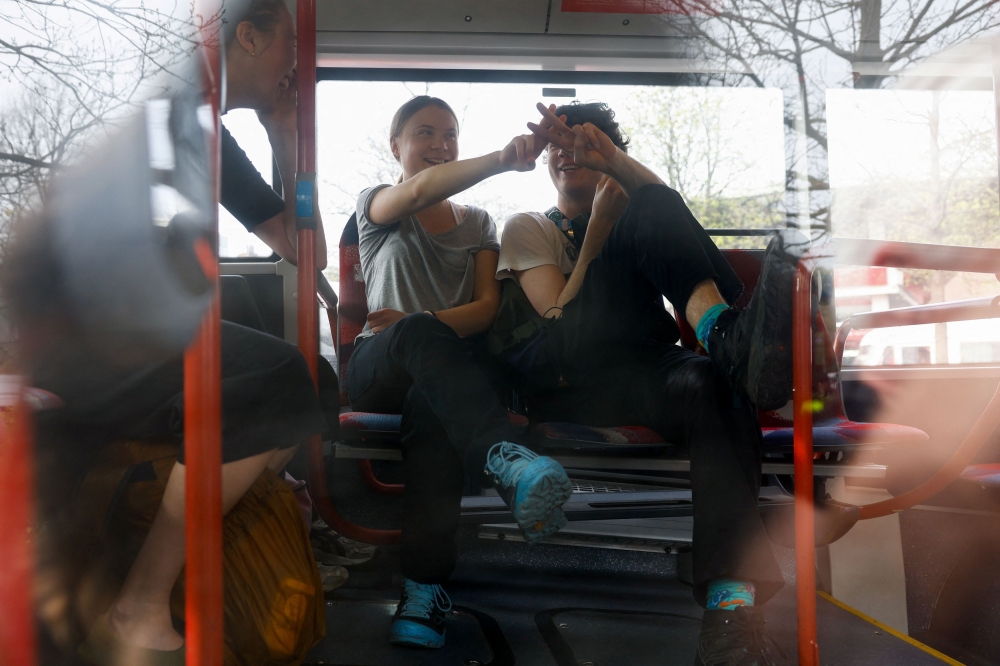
(268, 398)
(615, 347)
(420, 368)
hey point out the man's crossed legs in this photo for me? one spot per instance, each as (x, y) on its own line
(615, 346)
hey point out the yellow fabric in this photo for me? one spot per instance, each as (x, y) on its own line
(274, 609)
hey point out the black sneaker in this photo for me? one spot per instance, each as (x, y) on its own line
(735, 638)
(753, 348)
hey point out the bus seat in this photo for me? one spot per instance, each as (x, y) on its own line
(832, 430)
(986, 475)
(572, 438)
(369, 427)
(353, 305)
(40, 399)
(376, 429)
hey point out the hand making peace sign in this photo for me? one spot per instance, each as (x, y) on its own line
(591, 148)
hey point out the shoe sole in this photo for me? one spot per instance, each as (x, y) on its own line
(413, 634)
(541, 492)
(770, 363)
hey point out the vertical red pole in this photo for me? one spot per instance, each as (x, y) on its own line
(17, 493)
(305, 185)
(203, 425)
(805, 539)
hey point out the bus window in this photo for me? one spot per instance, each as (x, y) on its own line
(234, 240)
(722, 148)
(918, 166)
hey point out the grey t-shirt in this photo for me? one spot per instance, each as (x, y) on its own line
(407, 269)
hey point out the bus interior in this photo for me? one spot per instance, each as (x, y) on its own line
(881, 479)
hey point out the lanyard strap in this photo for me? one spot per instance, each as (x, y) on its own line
(568, 227)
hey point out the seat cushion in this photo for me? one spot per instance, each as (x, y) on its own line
(368, 426)
(987, 475)
(844, 435)
(618, 440)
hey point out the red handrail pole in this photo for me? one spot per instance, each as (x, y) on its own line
(805, 539)
(203, 424)
(18, 645)
(305, 185)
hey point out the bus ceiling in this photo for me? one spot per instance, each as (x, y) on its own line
(570, 41)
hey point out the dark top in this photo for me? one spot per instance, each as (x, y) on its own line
(243, 192)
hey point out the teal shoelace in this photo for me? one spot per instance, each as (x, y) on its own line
(422, 600)
(505, 461)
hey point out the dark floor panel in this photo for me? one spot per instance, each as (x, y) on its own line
(356, 636)
(618, 638)
(617, 607)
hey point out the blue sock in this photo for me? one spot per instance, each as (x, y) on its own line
(729, 594)
(707, 321)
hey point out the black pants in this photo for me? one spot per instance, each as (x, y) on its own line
(268, 398)
(615, 347)
(451, 413)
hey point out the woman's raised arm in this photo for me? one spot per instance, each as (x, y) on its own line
(436, 184)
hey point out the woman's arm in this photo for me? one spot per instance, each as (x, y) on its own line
(469, 319)
(437, 183)
(279, 232)
(477, 316)
(545, 286)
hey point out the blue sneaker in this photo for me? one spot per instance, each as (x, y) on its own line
(535, 488)
(419, 618)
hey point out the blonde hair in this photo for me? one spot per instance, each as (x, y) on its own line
(411, 108)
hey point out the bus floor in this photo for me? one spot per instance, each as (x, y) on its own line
(552, 605)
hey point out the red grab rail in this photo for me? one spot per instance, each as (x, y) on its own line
(805, 540)
(203, 421)
(17, 493)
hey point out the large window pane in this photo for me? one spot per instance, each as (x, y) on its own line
(722, 148)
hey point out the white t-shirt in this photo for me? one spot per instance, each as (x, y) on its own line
(530, 240)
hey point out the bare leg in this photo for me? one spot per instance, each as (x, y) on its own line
(281, 458)
(140, 615)
(703, 296)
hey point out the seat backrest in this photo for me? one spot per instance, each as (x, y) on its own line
(353, 305)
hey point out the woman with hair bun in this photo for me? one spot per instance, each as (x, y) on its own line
(269, 403)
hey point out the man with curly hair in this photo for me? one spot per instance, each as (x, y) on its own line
(584, 331)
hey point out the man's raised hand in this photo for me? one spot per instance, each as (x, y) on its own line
(591, 148)
(522, 152)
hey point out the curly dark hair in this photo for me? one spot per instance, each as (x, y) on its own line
(599, 114)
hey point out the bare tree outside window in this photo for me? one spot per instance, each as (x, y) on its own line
(692, 137)
(806, 47)
(69, 71)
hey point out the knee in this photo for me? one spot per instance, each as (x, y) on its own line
(421, 331)
(703, 387)
(650, 205)
(420, 325)
(656, 197)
